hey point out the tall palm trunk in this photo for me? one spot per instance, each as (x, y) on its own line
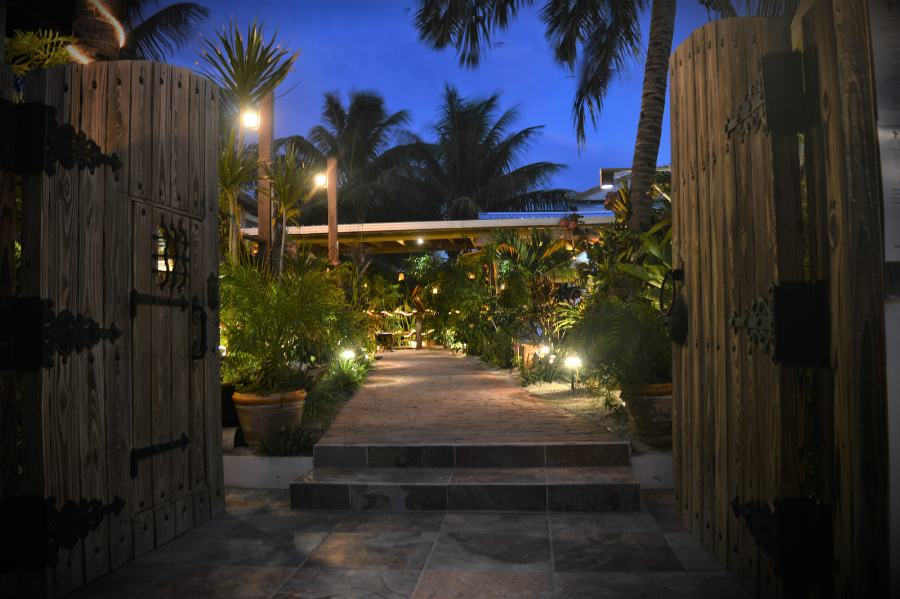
(653, 104)
(93, 35)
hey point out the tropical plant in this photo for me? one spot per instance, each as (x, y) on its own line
(621, 341)
(27, 50)
(290, 185)
(288, 441)
(237, 170)
(275, 326)
(534, 256)
(245, 66)
(472, 166)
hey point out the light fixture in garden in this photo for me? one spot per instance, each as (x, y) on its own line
(544, 351)
(348, 354)
(552, 358)
(434, 290)
(471, 275)
(250, 118)
(401, 276)
(573, 362)
(421, 241)
(321, 180)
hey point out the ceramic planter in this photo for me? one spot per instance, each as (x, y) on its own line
(650, 411)
(262, 414)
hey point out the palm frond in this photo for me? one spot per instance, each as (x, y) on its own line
(155, 37)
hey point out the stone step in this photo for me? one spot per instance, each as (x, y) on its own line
(587, 454)
(528, 489)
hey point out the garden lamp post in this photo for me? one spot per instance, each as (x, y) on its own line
(266, 125)
(331, 179)
(573, 362)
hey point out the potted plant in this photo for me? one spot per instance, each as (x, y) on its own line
(625, 342)
(276, 329)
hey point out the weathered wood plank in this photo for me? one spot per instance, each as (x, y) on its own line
(184, 514)
(858, 328)
(211, 236)
(161, 377)
(91, 408)
(197, 374)
(142, 395)
(180, 140)
(677, 350)
(142, 130)
(117, 263)
(196, 161)
(143, 529)
(162, 83)
(164, 520)
(180, 360)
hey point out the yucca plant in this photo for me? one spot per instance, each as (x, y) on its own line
(288, 441)
(238, 169)
(246, 67)
(291, 185)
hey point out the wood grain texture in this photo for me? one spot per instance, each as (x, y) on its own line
(118, 281)
(215, 477)
(91, 409)
(179, 187)
(163, 405)
(142, 130)
(196, 407)
(196, 162)
(180, 357)
(9, 455)
(677, 350)
(161, 158)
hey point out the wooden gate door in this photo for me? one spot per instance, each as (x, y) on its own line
(780, 438)
(124, 241)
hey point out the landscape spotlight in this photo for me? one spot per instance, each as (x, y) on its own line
(420, 241)
(348, 354)
(544, 351)
(251, 119)
(573, 362)
(321, 180)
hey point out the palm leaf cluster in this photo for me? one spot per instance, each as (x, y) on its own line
(472, 165)
(533, 256)
(153, 36)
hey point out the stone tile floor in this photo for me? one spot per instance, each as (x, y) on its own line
(260, 549)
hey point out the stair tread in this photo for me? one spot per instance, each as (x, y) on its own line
(596, 475)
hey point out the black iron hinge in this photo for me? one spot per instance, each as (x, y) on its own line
(146, 299)
(785, 99)
(796, 534)
(201, 344)
(37, 333)
(792, 324)
(33, 141)
(34, 529)
(146, 452)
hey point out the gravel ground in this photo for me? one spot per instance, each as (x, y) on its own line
(582, 402)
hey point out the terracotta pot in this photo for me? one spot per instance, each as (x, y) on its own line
(262, 414)
(650, 411)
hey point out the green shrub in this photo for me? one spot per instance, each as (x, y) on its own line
(287, 441)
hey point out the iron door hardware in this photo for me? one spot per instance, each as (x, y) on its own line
(38, 333)
(676, 312)
(201, 345)
(784, 100)
(212, 291)
(34, 529)
(35, 142)
(147, 299)
(792, 324)
(146, 452)
(796, 535)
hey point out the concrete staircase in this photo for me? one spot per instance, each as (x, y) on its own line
(571, 477)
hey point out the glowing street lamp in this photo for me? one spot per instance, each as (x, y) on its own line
(250, 118)
(573, 362)
(321, 180)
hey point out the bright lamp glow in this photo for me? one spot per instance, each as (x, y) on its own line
(573, 362)
(545, 350)
(420, 241)
(434, 290)
(251, 120)
(348, 354)
(321, 180)
(606, 187)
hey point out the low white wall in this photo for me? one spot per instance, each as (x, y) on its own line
(653, 472)
(261, 472)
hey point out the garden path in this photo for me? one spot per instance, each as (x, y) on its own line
(429, 397)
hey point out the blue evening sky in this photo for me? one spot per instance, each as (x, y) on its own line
(371, 44)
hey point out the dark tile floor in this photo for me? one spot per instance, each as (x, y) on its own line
(260, 549)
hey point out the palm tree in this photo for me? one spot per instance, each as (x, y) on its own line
(148, 35)
(471, 166)
(291, 183)
(608, 33)
(357, 135)
(535, 256)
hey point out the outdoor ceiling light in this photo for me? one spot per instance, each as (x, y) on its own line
(251, 120)
(321, 180)
(420, 241)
